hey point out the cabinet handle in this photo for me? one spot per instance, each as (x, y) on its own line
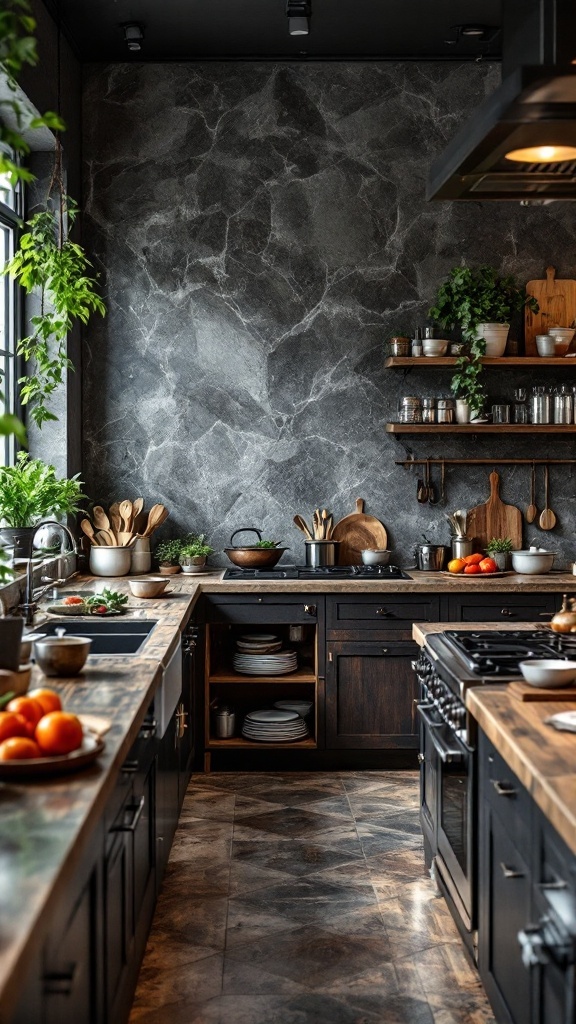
(421, 758)
(503, 790)
(511, 872)
(553, 885)
(136, 815)
(310, 609)
(147, 731)
(508, 611)
(130, 767)
(385, 650)
(60, 983)
(385, 613)
(181, 718)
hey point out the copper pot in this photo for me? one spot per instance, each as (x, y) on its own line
(252, 557)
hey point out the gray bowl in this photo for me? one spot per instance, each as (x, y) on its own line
(549, 673)
(62, 655)
(375, 556)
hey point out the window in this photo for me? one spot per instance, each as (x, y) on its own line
(10, 203)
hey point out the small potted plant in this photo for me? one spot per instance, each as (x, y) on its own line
(193, 554)
(466, 384)
(480, 301)
(168, 554)
(499, 549)
(30, 493)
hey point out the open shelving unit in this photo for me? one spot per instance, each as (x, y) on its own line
(425, 362)
(481, 428)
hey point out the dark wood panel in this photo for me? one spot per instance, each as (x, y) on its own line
(254, 609)
(387, 612)
(504, 608)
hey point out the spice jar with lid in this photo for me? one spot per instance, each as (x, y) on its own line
(399, 346)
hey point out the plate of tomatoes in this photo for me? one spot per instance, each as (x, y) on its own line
(474, 567)
(38, 738)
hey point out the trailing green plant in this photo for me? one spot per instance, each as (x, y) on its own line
(476, 295)
(6, 574)
(30, 491)
(51, 263)
(168, 551)
(466, 383)
(195, 547)
(499, 545)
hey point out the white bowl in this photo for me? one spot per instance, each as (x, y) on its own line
(151, 587)
(546, 347)
(531, 563)
(375, 556)
(434, 346)
(548, 672)
(562, 337)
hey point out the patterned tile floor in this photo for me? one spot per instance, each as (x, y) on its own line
(302, 899)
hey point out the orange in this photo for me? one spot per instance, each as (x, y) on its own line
(488, 565)
(473, 559)
(73, 600)
(472, 569)
(59, 732)
(47, 699)
(456, 565)
(19, 748)
(12, 724)
(29, 708)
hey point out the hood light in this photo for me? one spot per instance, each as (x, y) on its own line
(543, 154)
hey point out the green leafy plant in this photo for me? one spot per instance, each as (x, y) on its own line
(58, 268)
(6, 574)
(106, 601)
(168, 551)
(472, 296)
(30, 491)
(499, 545)
(466, 383)
(195, 547)
(267, 544)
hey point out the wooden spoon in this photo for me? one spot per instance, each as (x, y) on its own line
(104, 537)
(156, 516)
(532, 511)
(547, 518)
(88, 529)
(114, 516)
(126, 516)
(301, 524)
(100, 518)
(137, 506)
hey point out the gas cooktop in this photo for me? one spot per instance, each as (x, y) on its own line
(324, 572)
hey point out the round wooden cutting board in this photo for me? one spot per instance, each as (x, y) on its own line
(357, 532)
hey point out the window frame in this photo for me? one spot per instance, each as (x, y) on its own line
(10, 362)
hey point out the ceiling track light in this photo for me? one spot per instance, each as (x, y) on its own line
(133, 36)
(298, 13)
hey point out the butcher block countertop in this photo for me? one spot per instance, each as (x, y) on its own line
(421, 583)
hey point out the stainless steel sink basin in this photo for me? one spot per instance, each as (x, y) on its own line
(109, 636)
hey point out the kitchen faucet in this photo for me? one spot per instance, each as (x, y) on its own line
(29, 605)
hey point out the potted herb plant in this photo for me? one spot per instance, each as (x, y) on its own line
(30, 492)
(499, 549)
(168, 554)
(193, 554)
(480, 301)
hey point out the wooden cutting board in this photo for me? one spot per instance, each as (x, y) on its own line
(523, 691)
(356, 532)
(495, 519)
(557, 301)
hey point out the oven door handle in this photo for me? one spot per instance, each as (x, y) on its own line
(446, 753)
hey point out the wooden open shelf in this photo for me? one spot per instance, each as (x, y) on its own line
(481, 428)
(239, 743)
(439, 361)
(300, 675)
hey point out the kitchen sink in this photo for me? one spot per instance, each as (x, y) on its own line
(109, 636)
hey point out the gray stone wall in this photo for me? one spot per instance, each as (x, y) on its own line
(262, 230)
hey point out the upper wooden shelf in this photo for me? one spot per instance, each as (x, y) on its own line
(300, 675)
(481, 428)
(426, 361)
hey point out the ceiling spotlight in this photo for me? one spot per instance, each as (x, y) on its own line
(542, 154)
(298, 12)
(133, 36)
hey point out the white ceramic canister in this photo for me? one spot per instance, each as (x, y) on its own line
(110, 561)
(141, 557)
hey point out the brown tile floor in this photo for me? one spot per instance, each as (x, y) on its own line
(302, 899)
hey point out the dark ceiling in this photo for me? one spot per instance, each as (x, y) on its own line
(258, 29)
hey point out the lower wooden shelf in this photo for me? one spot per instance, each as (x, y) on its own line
(240, 743)
(301, 675)
(481, 428)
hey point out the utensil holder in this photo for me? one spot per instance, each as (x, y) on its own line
(461, 547)
(141, 560)
(225, 725)
(110, 561)
(321, 552)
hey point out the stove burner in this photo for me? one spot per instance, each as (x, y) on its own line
(497, 653)
(307, 572)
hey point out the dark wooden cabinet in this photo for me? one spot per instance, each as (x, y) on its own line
(371, 690)
(374, 617)
(504, 608)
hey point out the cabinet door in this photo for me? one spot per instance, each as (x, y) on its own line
(186, 710)
(142, 827)
(254, 608)
(376, 616)
(118, 913)
(168, 799)
(71, 974)
(504, 608)
(370, 693)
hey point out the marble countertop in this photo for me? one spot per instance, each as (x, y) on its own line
(421, 582)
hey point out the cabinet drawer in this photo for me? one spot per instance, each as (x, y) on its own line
(263, 608)
(503, 608)
(506, 795)
(386, 612)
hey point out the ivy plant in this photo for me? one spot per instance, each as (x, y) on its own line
(476, 295)
(58, 269)
(466, 383)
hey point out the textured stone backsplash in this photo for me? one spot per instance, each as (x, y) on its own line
(261, 231)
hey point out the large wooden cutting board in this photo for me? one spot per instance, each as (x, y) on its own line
(356, 532)
(495, 519)
(557, 301)
(523, 691)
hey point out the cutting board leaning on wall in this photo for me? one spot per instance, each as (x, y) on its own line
(557, 301)
(495, 519)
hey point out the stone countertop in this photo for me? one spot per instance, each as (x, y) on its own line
(421, 582)
(420, 630)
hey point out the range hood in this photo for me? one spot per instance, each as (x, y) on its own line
(535, 106)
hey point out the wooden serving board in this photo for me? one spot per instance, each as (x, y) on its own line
(495, 519)
(557, 301)
(523, 691)
(356, 532)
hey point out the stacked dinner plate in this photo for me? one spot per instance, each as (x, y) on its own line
(301, 707)
(261, 654)
(274, 726)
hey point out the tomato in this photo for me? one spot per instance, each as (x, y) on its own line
(47, 699)
(473, 559)
(58, 732)
(100, 609)
(29, 708)
(12, 724)
(472, 569)
(73, 599)
(488, 565)
(19, 748)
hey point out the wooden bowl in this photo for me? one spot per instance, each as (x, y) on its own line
(150, 587)
(15, 682)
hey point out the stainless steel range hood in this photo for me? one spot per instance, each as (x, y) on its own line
(534, 106)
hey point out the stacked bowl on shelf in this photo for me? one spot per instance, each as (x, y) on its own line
(261, 654)
(274, 725)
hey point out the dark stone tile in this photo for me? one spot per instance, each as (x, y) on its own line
(375, 839)
(293, 822)
(166, 984)
(296, 857)
(304, 900)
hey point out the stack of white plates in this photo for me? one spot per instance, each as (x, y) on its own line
(278, 664)
(259, 643)
(301, 707)
(274, 726)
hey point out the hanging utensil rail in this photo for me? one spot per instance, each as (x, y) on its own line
(485, 462)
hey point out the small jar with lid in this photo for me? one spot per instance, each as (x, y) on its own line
(400, 346)
(428, 410)
(410, 409)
